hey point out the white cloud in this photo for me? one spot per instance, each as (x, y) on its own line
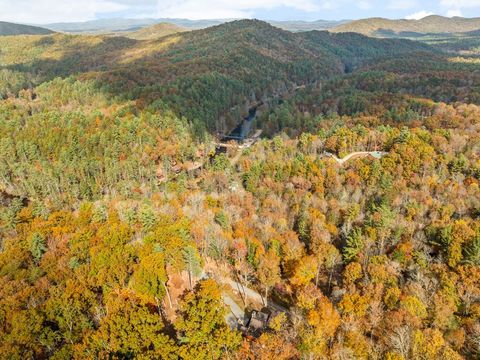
(364, 5)
(419, 15)
(402, 4)
(48, 11)
(220, 9)
(455, 7)
(453, 13)
(457, 4)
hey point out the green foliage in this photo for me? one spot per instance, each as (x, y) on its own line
(147, 218)
(9, 214)
(472, 252)
(252, 177)
(382, 215)
(302, 227)
(193, 262)
(354, 244)
(222, 220)
(459, 165)
(99, 214)
(37, 246)
(201, 320)
(221, 162)
(150, 277)
(131, 329)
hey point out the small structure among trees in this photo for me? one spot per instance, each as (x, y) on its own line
(257, 323)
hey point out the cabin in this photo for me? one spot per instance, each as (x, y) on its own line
(257, 323)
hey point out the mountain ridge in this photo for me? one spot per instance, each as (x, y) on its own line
(119, 24)
(9, 29)
(375, 26)
(433, 24)
(155, 31)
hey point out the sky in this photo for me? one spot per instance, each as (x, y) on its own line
(49, 11)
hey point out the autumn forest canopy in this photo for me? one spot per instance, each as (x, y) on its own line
(130, 228)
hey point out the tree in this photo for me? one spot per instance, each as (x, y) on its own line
(150, 276)
(193, 262)
(69, 308)
(147, 218)
(171, 236)
(414, 306)
(112, 258)
(472, 251)
(451, 239)
(429, 344)
(10, 215)
(37, 246)
(353, 246)
(305, 271)
(201, 327)
(269, 271)
(352, 273)
(130, 329)
(27, 332)
(268, 346)
(330, 258)
(324, 318)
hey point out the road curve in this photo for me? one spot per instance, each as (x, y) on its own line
(358, 154)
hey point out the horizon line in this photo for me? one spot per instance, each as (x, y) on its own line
(235, 19)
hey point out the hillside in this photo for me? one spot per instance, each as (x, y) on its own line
(237, 63)
(381, 27)
(199, 74)
(155, 31)
(17, 29)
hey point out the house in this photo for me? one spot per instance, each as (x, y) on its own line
(257, 323)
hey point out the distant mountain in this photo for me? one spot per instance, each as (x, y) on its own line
(17, 29)
(102, 25)
(117, 25)
(155, 31)
(298, 26)
(381, 27)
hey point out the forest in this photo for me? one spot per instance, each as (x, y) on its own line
(126, 234)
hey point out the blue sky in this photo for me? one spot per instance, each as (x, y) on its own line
(47, 11)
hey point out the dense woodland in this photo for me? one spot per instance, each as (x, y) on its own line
(100, 217)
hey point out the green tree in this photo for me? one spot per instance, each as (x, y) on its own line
(37, 246)
(9, 215)
(193, 262)
(221, 162)
(201, 326)
(222, 220)
(147, 218)
(354, 245)
(472, 251)
(150, 276)
(130, 330)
